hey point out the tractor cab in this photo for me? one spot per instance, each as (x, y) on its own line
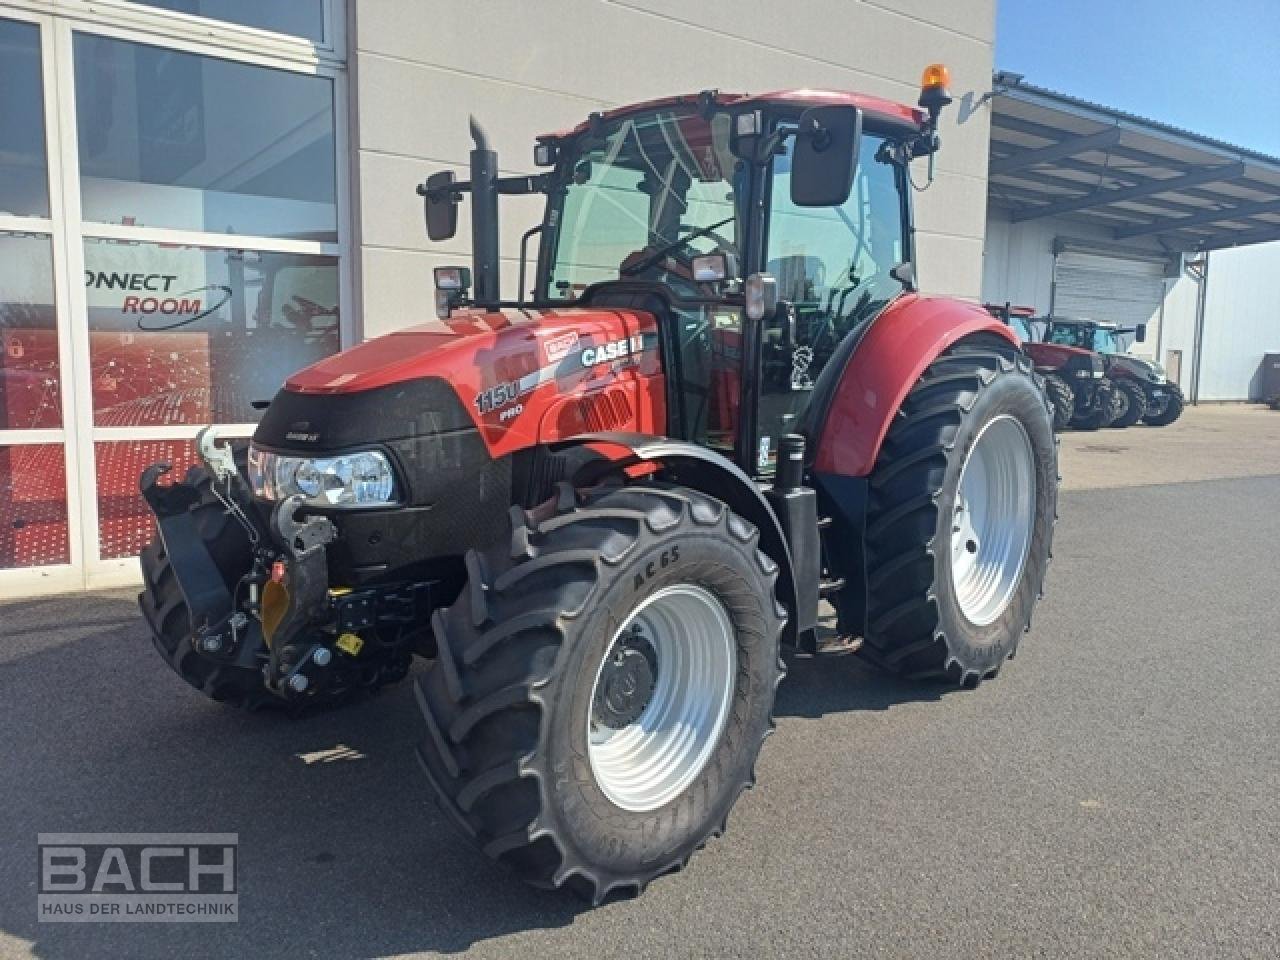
(1098, 336)
(764, 233)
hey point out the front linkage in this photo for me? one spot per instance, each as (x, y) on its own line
(239, 601)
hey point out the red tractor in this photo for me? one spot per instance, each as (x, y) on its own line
(602, 509)
(1141, 388)
(1075, 377)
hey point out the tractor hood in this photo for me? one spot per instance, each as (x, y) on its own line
(1136, 367)
(476, 349)
(507, 374)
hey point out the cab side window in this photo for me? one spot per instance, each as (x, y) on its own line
(833, 266)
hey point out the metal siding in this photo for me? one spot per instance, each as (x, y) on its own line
(1127, 292)
(1242, 321)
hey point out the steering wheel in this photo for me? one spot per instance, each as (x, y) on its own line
(662, 253)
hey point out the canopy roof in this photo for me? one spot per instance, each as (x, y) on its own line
(1052, 155)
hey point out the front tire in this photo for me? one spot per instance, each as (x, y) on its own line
(960, 520)
(1170, 410)
(165, 609)
(556, 738)
(1131, 404)
(1098, 414)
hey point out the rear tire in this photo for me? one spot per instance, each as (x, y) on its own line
(1162, 416)
(165, 609)
(1131, 403)
(926, 617)
(1063, 399)
(519, 714)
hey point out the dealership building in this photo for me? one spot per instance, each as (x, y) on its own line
(199, 196)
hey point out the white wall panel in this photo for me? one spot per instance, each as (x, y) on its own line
(1242, 321)
(522, 71)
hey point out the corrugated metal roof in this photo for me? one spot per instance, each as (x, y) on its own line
(1143, 181)
(1157, 125)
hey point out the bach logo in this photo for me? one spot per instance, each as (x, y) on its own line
(560, 346)
(138, 878)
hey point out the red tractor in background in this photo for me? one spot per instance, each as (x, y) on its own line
(603, 508)
(1141, 388)
(1075, 378)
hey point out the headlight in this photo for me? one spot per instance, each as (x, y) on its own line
(349, 480)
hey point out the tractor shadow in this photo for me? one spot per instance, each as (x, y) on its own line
(342, 852)
(817, 686)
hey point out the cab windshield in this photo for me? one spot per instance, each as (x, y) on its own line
(652, 192)
(1087, 336)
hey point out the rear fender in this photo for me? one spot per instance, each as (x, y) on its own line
(891, 357)
(603, 454)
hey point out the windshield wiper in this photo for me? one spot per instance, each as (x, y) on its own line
(672, 247)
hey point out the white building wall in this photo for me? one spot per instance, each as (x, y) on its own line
(1241, 321)
(1175, 345)
(419, 69)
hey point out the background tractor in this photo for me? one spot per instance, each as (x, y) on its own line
(1142, 390)
(1075, 378)
(602, 508)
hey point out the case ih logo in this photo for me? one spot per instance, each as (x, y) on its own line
(560, 346)
(613, 350)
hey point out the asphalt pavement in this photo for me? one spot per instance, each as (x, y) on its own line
(1113, 793)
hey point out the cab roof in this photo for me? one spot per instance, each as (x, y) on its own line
(887, 110)
(1084, 322)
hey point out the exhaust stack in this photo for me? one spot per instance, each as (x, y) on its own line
(484, 217)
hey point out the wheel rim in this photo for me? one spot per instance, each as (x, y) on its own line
(661, 697)
(993, 520)
(1122, 403)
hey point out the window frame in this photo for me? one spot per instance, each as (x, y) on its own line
(171, 27)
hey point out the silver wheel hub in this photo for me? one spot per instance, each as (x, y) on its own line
(993, 520)
(661, 697)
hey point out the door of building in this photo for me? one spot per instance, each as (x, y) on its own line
(1115, 289)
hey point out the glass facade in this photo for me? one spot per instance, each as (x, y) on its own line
(33, 506)
(24, 185)
(298, 18)
(190, 335)
(30, 380)
(170, 139)
(124, 522)
(196, 267)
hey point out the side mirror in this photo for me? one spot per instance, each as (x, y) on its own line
(440, 205)
(1140, 333)
(824, 156)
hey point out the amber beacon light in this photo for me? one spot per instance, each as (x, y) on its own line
(935, 86)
